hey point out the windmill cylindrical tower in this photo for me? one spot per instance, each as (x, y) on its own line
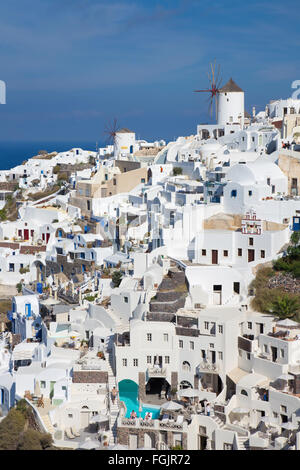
(124, 142)
(231, 106)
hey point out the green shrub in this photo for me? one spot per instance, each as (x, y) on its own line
(117, 278)
(177, 171)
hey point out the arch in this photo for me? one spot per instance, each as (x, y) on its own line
(244, 392)
(85, 407)
(186, 366)
(149, 440)
(149, 174)
(185, 384)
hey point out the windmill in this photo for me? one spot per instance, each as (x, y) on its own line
(110, 130)
(215, 79)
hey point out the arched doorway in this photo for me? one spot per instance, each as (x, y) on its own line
(85, 417)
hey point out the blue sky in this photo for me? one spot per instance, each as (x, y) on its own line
(72, 65)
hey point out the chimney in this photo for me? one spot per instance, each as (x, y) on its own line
(253, 111)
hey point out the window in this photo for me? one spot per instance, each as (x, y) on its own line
(180, 343)
(206, 325)
(149, 337)
(70, 416)
(126, 300)
(192, 345)
(43, 384)
(220, 327)
(225, 252)
(243, 392)
(211, 345)
(250, 241)
(234, 193)
(135, 362)
(240, 252)
(114, 181)
(167, 359)
(148, 359)
(220, 355)
(143, 180)
(281, 352)
(268, 181)
(262, 253)
(203, 353)
(124, 362)
(203, 252)
(166, 337)
(88, 205)
(273, 189)
(248, 356)
(249, 325)
(283, 408)
(265, 348)
(249, 193)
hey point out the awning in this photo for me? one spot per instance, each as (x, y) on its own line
(237, 374)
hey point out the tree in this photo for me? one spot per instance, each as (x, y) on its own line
(10, 429)
(30, 440)
(285, 306)
(295, 238)
(19, 287)
(177, 171)
(117, 278)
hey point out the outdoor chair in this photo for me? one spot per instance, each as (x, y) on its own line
(75, 432)
(69, 434)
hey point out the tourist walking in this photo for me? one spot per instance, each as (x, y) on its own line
(114, 393)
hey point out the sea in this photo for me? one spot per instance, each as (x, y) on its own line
(14, 153)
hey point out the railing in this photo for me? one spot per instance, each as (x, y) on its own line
(153, 424)
(206, 366)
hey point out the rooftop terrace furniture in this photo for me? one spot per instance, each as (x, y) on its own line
(69, 434)
(75, 432)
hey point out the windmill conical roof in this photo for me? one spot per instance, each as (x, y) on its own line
(230, 87)
(124, 130)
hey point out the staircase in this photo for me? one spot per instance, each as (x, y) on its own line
(218, 421)
(47, 423)
(113, 407)
(243, 442)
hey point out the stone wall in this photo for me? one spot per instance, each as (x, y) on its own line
(123, 434)
(142, 390)
(174, 380)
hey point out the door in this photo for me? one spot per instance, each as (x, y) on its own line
(274, 353)
(202, 442)
(84, 419)
(214, 256)
(52, 389)
(236, 287)
(251, 256)
(132, 441)
(26, 234)
(217, 295)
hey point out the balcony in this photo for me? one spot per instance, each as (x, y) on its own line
(152, 424)
(208, 367)
(156, 372)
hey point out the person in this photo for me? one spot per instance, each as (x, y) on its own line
(132, 415)
(114, 394)
(207, 410)
(147, 416)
